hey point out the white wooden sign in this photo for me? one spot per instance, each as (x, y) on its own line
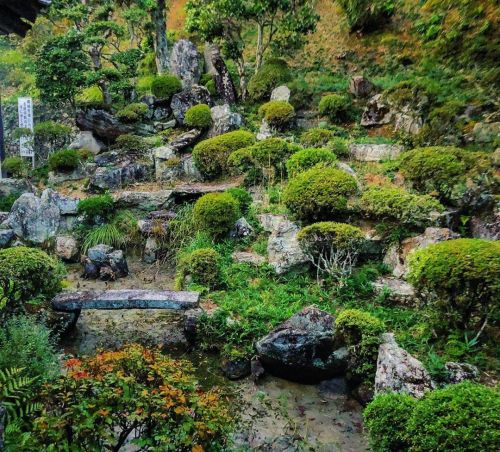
(25, 110)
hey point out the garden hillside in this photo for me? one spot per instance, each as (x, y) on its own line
(250, 225)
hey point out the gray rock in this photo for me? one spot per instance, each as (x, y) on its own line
(244, 257)
(270, 221)
(281, 93)
(396, 290)
(398, 371)
(303, 348)
(86, 140)
(217, 67)
(224, 120)
(118, 264)
(185, 140)
(242, 229)
(487, 226)
(9, 186)
(104, 262)
(458, 372)
(59, 178)
(150, 250)
(265, 131)
(67, 248)
(185, 63)
(115, 177)
(6, 235)
(183, 101)
(143, 200)
(99, 254)
(359, 86)
(103, 124)
(66, 204)
(374, 152)
(3, 216)
(284, 252)
(486, 132)
(236, 369)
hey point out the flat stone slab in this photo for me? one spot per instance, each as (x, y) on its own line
(125, 299)
(185, 192)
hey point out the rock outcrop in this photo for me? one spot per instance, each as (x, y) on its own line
(224, 120)
(104, 262)
(360, 86)
(66, 248)
(217, 67)
(281, 93)
(103, 124)
(143, 200)
(283, 248)
(374, 152)
(86, 140)
(185, 63)
(183, 101)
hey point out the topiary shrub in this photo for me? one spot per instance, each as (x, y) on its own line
(396, 204)
(336, 107)
(211, 156)
(461, 278)
(386, 418)
(216, 214)
(316, 138)
(203, 266)
(144, 84)
(131, 144)
(64, 161)
(367, 14)
(243, 197)
(277, 113)
(272, 74)
(132, 112)
(96, 207)
(361, 332)
(34, 274)
(319, 193)
(165, 86)
(16, 166)
(307, 158)
(333, 248)
(199, 117)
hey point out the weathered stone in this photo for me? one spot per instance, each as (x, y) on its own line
(303, 348)
(359, 86)
(103, 124)
(115, 177)
(458, 372)
(281, 93)
(224, 120)
(265, 131)
(242, 229)
(185, 140)
(6, 235)
(270, 221)
(3, 216)
(59, 178)
(242, 257)
(236, 369)
(99, 254)
(150, 250)
(67, 248)
(190, 192)
(396, 290)
(398, 371)
(487, 226)
(183, 101)
(17, 187)
(66, 204)
(118, 264)
(284, 252)
(486, 133)
(217, 67)
(374, 152)
(376, 113)
(185, 63)
(143, 200)
(86, 140)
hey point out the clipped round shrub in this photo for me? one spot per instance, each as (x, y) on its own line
(132, 112)
(272, 152)
(94, 207)
(272, 74)
(165, 86)
(64, 161)
(277, 113)
(316, 138)
(243, 197)
(319, 193)
(386, 417)
(461, 276)
(216, 214)
(211, 156)
(16, 166)
(199, 117)
(33, 272)
(395, 203)
(241, 161)
(462, 417)
(336, 107)
(308, 158)
(131, 144)
(203, 266)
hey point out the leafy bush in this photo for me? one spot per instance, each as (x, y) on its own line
(64, 161)
(339, 146)
(316, 138)
(394, 203)
(277, 113)
(203, 266)
(243, 197)
(96, 207)
(307, 158)
(20, 264)
(91, 96)
(144, 84)
(462, 276)
(367, 14)
(272, 74)
(131, 144)
(102, 399)
(336, 107)
(165, 86)
(199, 117)
(132, 112)
(319, 193)
(211, 156)
(16, 166)
(216, 213)
(6, 202)
(386, 418)
(52, 133)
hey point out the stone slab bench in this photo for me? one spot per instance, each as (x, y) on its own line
(75, 301)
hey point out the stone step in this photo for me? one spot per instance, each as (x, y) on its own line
(75, 301)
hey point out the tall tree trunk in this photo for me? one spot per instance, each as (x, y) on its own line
(260, 47)
(160, 41)
(240, 64)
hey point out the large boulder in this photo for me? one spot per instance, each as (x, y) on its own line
(143, 200)
(183, 101)
(185, 140)
(67, 248)
(375, 152)
(86, 140)
(103, 124)
(284, 252)
(217, 68)
(115, 177)
(17, 187)
(303, 348)
(224, 120)
(398, 371)
(185, 63)
(281, 93)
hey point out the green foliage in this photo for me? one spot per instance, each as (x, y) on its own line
(20, 264)
(96, 207)
(307, 158)
(165, 86)
(91, 96)
(6, 202)
(319, 193)
(316, 138)
(144, 84)
(339, 146)
(243, 197)
(272, 74)
(367, 14)
(199, 117)
(216, 214)
(386, 418)
(64, 161)
(395, 203)
(462, 276)
(107, 234)
(203, 267)
(336, 107)
(131, 144)
(132, 112)
(51, 131)
(211, 156)
(16, 166)
(277, 113)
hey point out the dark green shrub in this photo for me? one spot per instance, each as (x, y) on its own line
(33, 272)
(367, 14)
(319, 193)
(52, 133)
(165, 86)
(241, 161)
(6, 202)
(203, 266)
(243, 197)
(277, 113)
(461, 277)
(339, 146)
(462, 417)
(386, 418)
(307, 158)
(336, 107)
(211, 156)
(94, 207)
(216, 214)
(270, 75)
(132, 112)
(131, 144)
(395, 203)
(272, 152)
(316, 138)
(64, 161)
(16, 166)
(199, 117)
